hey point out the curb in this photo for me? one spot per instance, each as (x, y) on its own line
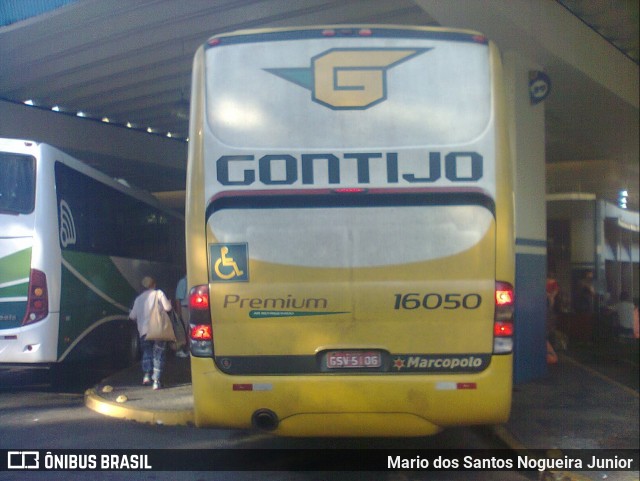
(100, 405)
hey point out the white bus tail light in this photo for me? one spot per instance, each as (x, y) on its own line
(38, 299)
(200, 330)
(503, 318)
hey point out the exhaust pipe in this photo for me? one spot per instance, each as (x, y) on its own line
(265, 420)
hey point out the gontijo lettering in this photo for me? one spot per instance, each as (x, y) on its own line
(286, 169)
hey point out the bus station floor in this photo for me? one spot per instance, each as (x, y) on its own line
(588, 400)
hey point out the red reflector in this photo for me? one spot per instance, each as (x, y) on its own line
(202, 332)
(329, 33)
(243, 387)
(365, 32)
(466, 385)
(480, 39)
(503, 329)
(213, 42)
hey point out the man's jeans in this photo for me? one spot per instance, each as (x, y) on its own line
(153, 356)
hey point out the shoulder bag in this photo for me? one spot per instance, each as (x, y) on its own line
(160, 326)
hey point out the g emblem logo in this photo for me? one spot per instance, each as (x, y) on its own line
(354, 79)
(349, 78)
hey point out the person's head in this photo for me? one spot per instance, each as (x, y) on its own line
(148, 282)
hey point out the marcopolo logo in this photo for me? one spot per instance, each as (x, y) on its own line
(348, 78)
(441, 362)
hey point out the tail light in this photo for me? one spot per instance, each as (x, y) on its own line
(199, 299)
(38, 299)
(201, 332)
(503, 318)
(200, 329)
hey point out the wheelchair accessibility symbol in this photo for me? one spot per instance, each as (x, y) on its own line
(229, 262)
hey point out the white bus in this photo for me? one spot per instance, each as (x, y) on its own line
(350, 243)
(74, 246)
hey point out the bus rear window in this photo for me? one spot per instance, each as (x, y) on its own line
(17, 183)
(322, 231)
(264, 93)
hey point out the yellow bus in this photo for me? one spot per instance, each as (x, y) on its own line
(349, 226)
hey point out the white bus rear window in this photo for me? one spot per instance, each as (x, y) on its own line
(17, 183)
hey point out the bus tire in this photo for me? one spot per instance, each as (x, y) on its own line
(126, 349)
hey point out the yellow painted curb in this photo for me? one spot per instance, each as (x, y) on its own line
(121, 411)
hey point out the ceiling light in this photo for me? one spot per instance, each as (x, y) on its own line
(81, 114)
(28, 102)
(129, 125)
(622, 198)
(55, 108)
(105, 120)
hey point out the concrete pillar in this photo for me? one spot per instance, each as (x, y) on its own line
(528, 150)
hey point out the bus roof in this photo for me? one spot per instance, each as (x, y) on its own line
(397, 31)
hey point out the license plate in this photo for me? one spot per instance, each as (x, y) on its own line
(353, 359)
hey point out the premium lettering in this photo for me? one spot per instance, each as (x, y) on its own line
(289, 302)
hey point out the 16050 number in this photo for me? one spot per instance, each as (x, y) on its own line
(433, 300)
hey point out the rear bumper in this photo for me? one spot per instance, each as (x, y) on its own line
(33, 343)
(349, 405)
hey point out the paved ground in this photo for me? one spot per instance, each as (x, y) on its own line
(589, 400)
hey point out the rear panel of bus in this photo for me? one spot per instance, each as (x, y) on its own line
(74, 246)
(344, 211)
(29, 270)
